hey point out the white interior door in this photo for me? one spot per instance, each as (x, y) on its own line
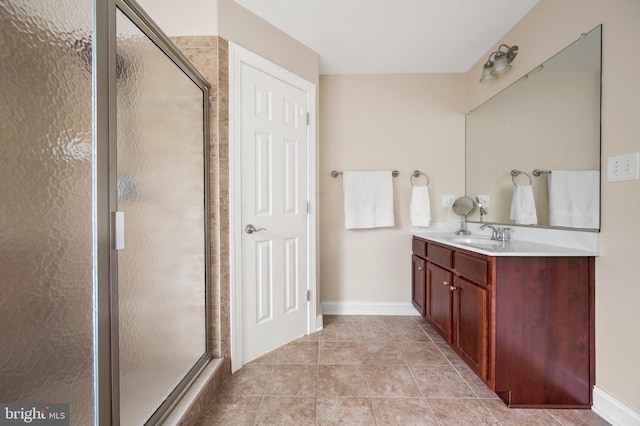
(275, 258)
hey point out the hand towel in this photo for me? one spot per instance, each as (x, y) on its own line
(523, 206)
(574, 198)
(368, 199)
(420, 206)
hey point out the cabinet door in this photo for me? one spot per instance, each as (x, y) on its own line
(471, 324)
(439, 297)
(418, 288)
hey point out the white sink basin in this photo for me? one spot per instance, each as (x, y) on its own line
(460, 239)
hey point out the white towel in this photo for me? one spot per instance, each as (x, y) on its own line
(523, 206)
(368, 199)
(574, 198)
(420, 206)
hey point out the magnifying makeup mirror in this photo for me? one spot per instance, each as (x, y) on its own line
(463, 207)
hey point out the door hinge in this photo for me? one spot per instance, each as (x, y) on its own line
(308, 207)
(308, 119)
(308, 295)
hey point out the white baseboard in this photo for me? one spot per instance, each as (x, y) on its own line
(367, 308)
(612, 410)
(319, 323)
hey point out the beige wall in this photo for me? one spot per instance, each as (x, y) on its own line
(550, 26)
(383, 122)
(188, 18)
(238, 25)
(229, 20)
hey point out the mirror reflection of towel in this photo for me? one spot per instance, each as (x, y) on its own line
(574, 198)
(368, 199)
(523, 206)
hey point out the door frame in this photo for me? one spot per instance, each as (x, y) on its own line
(237, 57)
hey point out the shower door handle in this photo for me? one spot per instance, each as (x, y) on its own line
(250, 229)
(118, 222)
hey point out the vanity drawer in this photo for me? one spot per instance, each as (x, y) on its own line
(419, 247)
(440, 255)
(471, 267)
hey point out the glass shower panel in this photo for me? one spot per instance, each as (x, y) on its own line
(46, 230)
(161, 271)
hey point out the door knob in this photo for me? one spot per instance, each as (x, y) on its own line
(250, 229)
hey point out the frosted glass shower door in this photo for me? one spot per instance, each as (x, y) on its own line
(46, 192)
(161, 190)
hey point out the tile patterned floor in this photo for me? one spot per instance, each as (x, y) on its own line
(369, 370)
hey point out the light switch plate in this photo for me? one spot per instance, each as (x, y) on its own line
(447, 200)
(623, 167)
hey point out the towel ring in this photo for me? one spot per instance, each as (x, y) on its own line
(515, 173)
(416, 174)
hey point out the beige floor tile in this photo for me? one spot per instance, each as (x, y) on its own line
(298, 353)
(251, 380)
(293, 379)
(394, 321)
(433, 334)
(339, 353)
(369, 333)
(268, 358)
(313, 337)
(476, 384)
(518, 416)
(230, 410)
(461, 412)
(341, 380)
(423, 353)
(402, 412)
(283, 410)
(339, 332)
(391, 381)
(453, 357)
(437, 381)
(578, 418)
(344, 411)
(369, 370)
(408, 333)
(380, 353)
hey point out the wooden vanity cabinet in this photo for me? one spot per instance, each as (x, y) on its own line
(457, 306)
(524, 325)
(418, 288)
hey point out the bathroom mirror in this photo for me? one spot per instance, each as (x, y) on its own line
(547, 120)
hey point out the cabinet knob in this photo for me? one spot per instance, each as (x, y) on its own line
(445, 282)
(419, 268)
(453, 288)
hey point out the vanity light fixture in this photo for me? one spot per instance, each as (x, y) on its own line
(499, 64)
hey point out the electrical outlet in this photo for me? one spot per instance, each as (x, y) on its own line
(447, 200)
(484, 200)
(623, 167)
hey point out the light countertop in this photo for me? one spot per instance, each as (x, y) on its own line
(481, 243)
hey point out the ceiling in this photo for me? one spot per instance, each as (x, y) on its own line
(399, 36)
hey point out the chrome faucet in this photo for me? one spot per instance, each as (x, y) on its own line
(498, 233)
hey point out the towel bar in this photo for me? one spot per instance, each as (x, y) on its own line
(538, 172)
(335, 174)
(515, 173)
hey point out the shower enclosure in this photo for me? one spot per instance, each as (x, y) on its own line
(103, 219)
